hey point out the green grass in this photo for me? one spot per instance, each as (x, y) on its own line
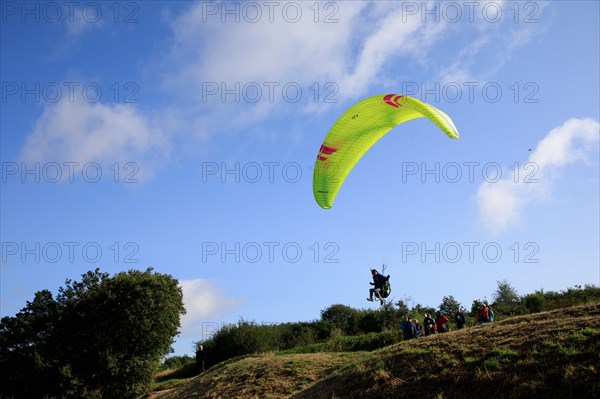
(365, 342)
(523, 356)
(471, 360)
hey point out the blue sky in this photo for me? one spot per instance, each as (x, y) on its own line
(182, 135)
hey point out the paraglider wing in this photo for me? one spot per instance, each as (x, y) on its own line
(361, 126)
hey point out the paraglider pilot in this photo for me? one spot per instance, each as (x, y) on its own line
(378, 281)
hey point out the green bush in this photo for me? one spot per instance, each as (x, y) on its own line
(571, 296)
(363, 342)
(100, 337)
(175, 362)
(535, 302)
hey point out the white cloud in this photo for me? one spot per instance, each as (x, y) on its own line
(396, 34)
(264, 51)
(84, 132)
(502, 203)
(367, 45)
(203, 302)
(351, 53)
(493, 41)
(78, 22)
(83, 20)
(370, 44)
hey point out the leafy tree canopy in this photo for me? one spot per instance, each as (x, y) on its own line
(101, 336)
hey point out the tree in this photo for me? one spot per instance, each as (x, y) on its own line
(535, 302)
(449, 306)
(341, 317)
(390, 317)
(402, 307)
(28, 350)
(370, 321)
(101, 337)
(419, 310)
(505, 295)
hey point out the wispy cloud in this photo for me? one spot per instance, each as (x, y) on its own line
(84, 132)
(208, 58)
(204, 302)
(77, 23)
(221, 77)
(502, 203)
(492, 44)
(215, 68)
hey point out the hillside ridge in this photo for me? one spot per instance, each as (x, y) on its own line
(553, 354)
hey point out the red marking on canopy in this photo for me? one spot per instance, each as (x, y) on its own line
(393, 100)
(327, 150)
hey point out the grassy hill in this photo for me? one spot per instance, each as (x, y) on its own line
(546, 355)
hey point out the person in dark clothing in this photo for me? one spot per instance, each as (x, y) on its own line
(410, 330)
(403, 323)
(378, 281)
(459, 318)
(418, 332)
(200, 357)
(429, 324)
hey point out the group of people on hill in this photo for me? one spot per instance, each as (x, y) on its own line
(484, 314)
(411, 328)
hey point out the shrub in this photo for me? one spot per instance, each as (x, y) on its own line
(101, 337)
(535, 302)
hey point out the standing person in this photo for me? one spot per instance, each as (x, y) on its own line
(490, 314)
(483, 314)
(409, 329)
(429, 324)
(378, 281)
(441, 321)
(403, 323)
(200, 357)
(459, 317)
(486, 314)
(418, 332)
(479, 315)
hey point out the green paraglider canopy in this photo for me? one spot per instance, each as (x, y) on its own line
(361, 126)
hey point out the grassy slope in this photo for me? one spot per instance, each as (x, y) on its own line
(551, 355)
